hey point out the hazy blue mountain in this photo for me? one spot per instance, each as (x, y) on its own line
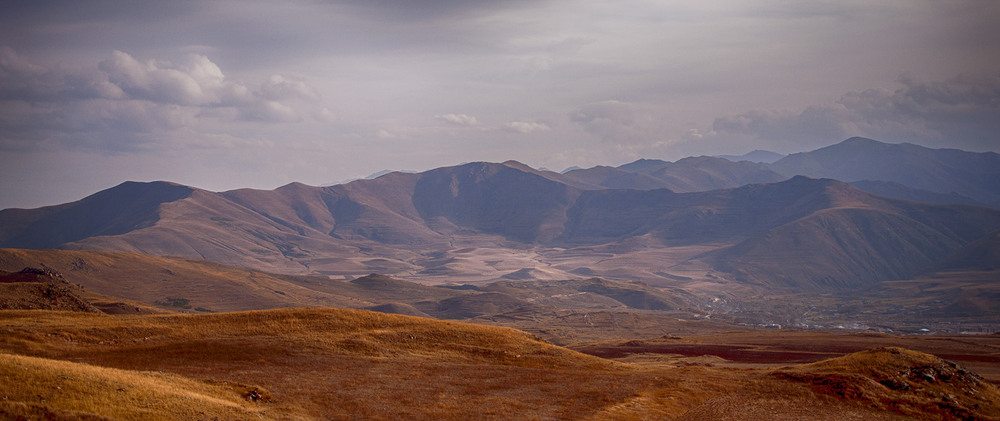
(898, 191)
(970, 174)
(758, 156)
(692, 174)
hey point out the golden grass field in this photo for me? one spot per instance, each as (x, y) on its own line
(353, 364)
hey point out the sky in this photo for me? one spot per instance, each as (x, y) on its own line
(222, 95)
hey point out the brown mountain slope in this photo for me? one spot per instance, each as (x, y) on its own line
(836, 250)
(419, 224)
(184, 285)
(495, 199)
(118, 210)
(719, 215)
(208, 226)
(855, 241)
(181, 284)
(982, 254)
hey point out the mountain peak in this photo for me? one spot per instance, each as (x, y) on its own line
(862, 140)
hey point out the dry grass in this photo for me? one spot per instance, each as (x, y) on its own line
(901, 381)
(34, 386)
(340, 363)
(349, 364)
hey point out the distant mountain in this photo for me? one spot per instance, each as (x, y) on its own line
(974, 175)
(758, 156)
(644, 165)
(686, 175)
(616, 178)
(847, 248)
(898, 191)
(484, 221)
(705, 173)
(119, 210)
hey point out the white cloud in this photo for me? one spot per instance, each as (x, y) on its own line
(458, 119)
(525, 126)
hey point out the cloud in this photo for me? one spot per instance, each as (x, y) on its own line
(962, 109)
(12, 64)
(278, 87)
(117, 104)
(621, 123)
(525, 126)
(458, 119)
(194, 82)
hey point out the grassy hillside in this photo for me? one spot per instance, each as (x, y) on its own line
(42, 388)
(319, 363)
(339, 364)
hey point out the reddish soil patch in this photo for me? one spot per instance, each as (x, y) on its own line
(736, 353)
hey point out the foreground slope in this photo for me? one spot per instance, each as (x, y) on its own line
(881, 383)
(336, 364)
(319, 364)
(42, 388)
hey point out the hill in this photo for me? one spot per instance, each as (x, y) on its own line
(326, 363)
(34, 288)
(974, 175)
(345, 364)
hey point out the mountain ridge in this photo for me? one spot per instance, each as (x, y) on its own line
(415, 224)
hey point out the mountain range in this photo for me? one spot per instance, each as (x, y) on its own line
(653, 289)
(694, 224)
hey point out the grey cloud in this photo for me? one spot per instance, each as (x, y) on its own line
(427, 9)
(279, 87)
(619, 122)
(963, 109)
(13, 65)
(128, 99)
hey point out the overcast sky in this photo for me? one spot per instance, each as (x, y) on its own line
(225, 94)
